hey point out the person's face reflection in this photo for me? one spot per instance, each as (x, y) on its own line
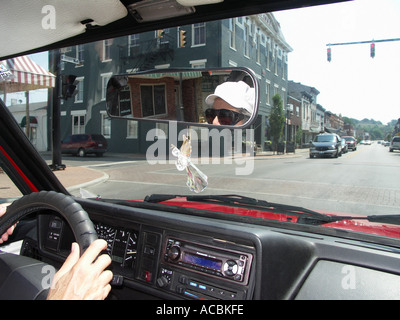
(222, 104)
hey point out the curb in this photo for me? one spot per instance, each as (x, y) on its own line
(105, 177)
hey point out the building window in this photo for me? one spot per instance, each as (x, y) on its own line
(162, 130)
(268, 93)
(107, 49)
(133, 43)
(201, 63)
(79, 54)
(232, 33)
(284, 70)
(105, 125)
(132, 129)
(199, 34)
(276, 89)
(104, 81)
(258, 52)
(79, 88)
(246, 42)
(153, 100)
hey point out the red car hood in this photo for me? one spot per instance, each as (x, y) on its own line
(359, 225)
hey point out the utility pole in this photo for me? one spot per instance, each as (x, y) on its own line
(56, 112)
(66, 87)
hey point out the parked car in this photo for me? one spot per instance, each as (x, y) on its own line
(83, 144)
(351, 142)
(395, 144)
(326, 144)
(344, 146)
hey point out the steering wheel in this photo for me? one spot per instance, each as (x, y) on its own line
(22, 277)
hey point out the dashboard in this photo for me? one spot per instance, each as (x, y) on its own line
(166, 255)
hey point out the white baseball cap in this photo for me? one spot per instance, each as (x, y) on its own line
(238, 94)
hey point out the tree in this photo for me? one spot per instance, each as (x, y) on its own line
(276, 120)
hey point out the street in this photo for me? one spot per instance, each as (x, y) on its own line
(365, 181)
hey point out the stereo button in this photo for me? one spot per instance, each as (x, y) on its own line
(183, 280)
(174, 253)
(230, 268)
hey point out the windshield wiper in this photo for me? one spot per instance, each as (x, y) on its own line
(305, 216)
(389, 219)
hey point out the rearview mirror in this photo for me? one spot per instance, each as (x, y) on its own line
(201, 97)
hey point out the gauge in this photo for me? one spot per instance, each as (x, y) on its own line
(121, 244)
(106, 233)
(131, 250)
(125, 248)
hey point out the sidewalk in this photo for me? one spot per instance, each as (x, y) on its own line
(271, 154)
(72, 178)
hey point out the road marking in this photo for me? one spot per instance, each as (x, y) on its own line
(108, 164)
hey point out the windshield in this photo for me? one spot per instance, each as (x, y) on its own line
(328, 69)
(327, 138)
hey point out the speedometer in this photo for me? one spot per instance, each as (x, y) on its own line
(106, 233)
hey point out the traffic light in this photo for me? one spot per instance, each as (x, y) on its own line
(69, 86)
(182, 38)
(329, 54)
(372, 50)
(160, 33)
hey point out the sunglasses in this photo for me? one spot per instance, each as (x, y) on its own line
(225, 116)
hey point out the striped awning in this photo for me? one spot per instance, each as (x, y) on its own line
(176, 75)
(26, 75)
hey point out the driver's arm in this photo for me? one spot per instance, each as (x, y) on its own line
(83, 277)
(4, 237)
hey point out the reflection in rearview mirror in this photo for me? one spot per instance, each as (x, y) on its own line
(227, 97)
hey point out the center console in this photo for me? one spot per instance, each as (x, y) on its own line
(169, 263)
(198, 270)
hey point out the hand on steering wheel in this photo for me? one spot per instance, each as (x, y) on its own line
(83, 274)
(83, 278)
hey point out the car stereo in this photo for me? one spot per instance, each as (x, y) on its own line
(216, 262)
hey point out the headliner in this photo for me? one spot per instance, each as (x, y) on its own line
(33, 26)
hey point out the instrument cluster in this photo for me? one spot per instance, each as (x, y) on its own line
(121, 244)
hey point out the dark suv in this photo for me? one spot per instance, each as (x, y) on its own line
(326, 144)
(83, 144)
(395, 144)
(351, 142)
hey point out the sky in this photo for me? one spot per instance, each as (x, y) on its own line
(353, 84)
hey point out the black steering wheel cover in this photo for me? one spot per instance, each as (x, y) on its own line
(77, 218)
